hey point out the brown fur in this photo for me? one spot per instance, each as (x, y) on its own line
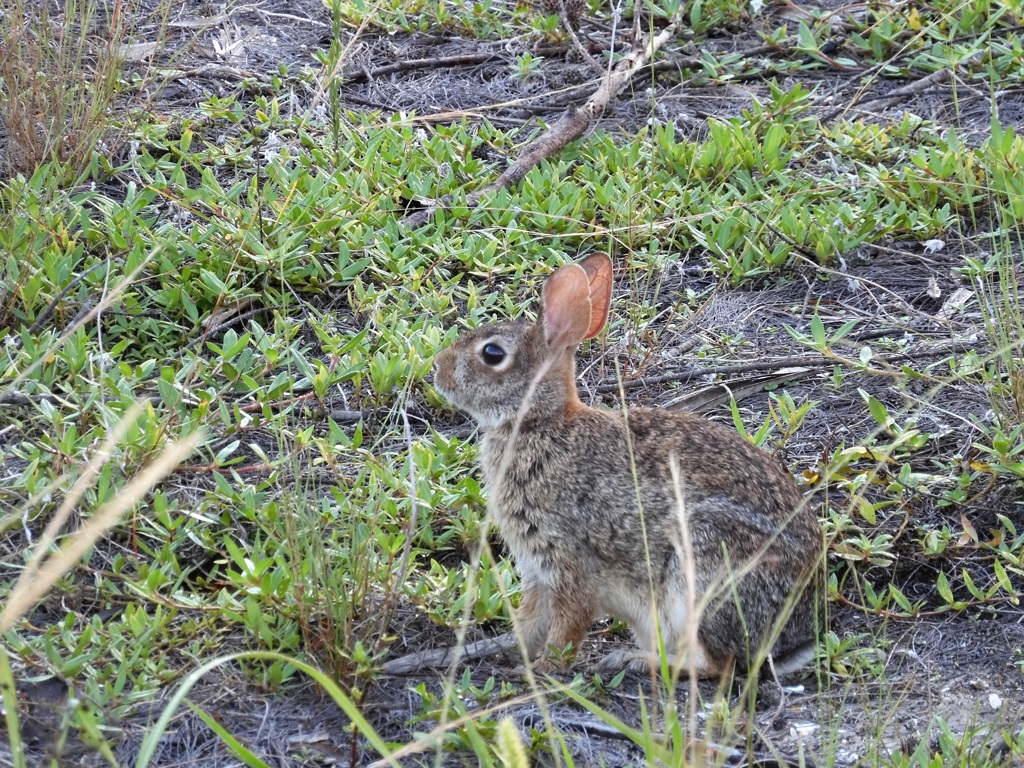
(564, 497)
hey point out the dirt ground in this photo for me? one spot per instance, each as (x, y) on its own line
(958, 667)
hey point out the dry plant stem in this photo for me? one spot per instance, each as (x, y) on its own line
(83, 318)
(335, 70)
(692, 610)
(37, 324)
(223, 71)
(505, 642)
(895, 96)
(92, 468)
(563, 16)
(568, 128)
(391, 601)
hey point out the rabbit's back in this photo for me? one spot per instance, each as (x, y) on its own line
(585, 500)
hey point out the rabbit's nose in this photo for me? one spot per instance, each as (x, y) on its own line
(435, 372)
(439, 359)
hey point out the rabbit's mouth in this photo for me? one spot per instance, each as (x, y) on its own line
(485, 418)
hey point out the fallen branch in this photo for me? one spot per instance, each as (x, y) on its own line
(364, 74)
(884, 101)
(569, 127)
(443, 657)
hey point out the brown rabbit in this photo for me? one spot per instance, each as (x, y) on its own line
(616, 512)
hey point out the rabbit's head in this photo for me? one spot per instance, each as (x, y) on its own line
(498, 370)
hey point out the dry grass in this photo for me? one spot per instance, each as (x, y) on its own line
(60, 75)
(42, 571)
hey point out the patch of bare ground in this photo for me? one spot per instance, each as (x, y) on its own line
(907, 297)
(216, 50)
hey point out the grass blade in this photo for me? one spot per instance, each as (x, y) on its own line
(10, 700)
(332, 688)
(238, 749)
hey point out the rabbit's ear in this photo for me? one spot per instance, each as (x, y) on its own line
(565, 307)
(574, 301)
(599, 273)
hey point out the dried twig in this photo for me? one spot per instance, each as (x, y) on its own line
(809, 361)
(569, 24)
(223, 71)
(405, 65)
(59, 297)
(568, 128)
(884, 101)
(913, 88)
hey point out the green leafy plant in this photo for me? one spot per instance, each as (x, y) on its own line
(525, 66)
(243, 273)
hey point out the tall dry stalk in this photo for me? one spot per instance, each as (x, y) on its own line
(1003, 314)
(48, 565)
(60, 74)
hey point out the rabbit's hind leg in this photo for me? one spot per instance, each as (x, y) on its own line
(534, 618)
(572, 612)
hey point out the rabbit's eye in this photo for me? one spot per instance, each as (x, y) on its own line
(492, 354)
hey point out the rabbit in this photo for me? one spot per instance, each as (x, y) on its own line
(617, 512)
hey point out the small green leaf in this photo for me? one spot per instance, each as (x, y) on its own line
(213, 282)
(900, 599)
(942, 585)
(844, 330)
(872, 597)
(234, 745)
(971, 587)
(226, 451)
(806, 37)
(1004, 581)
(818, 331)
(878, 411)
